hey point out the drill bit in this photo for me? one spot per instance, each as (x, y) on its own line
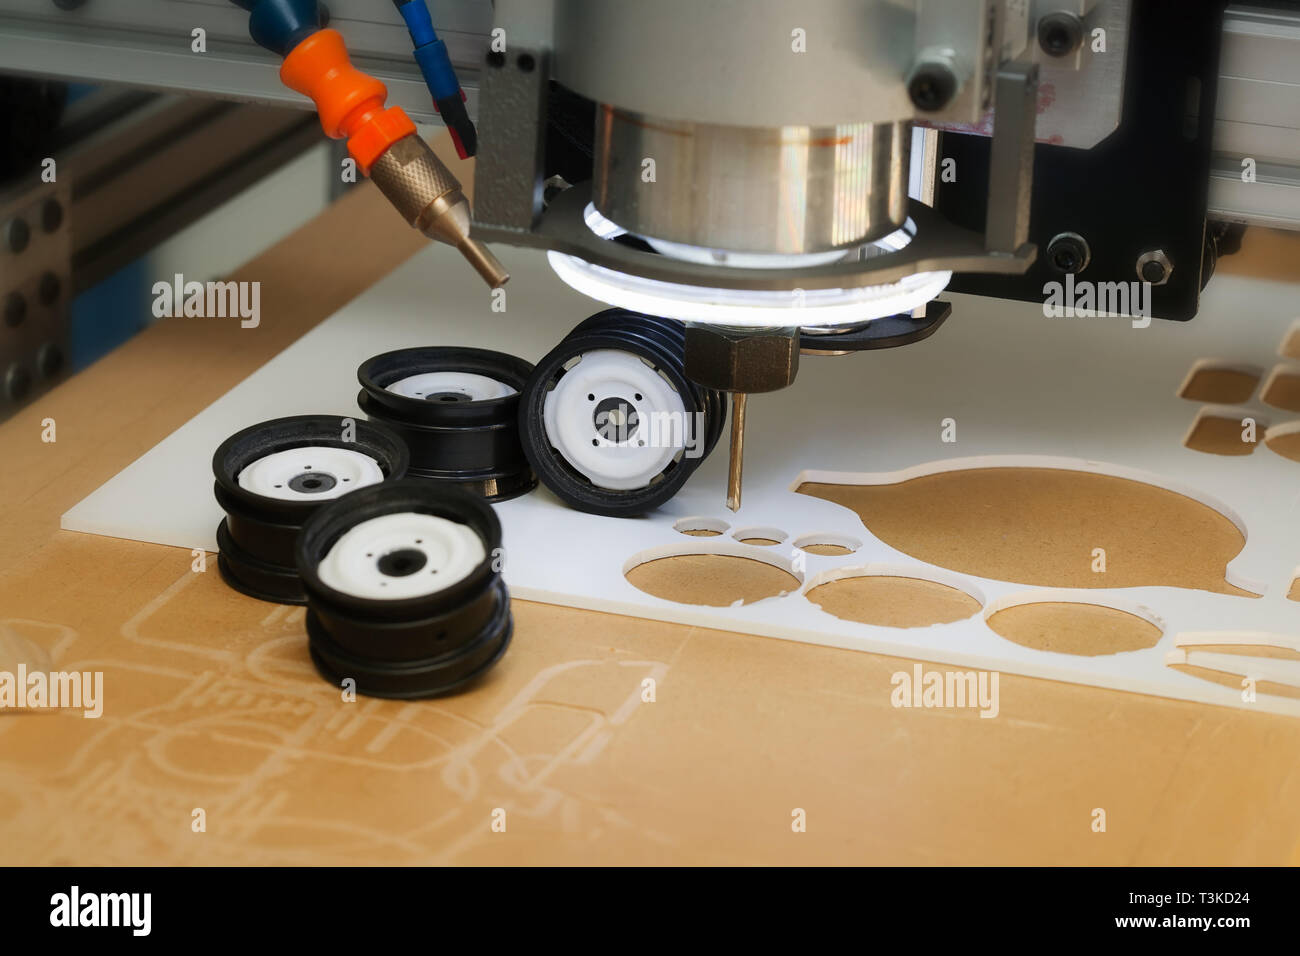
(737, 463)
(429, 197)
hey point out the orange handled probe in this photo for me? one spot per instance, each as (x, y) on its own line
(383, 140)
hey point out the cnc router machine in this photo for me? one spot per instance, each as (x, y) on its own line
(770, 187)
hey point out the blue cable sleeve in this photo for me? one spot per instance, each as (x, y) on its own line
(430, 52)
(436, 66)
(418, 22)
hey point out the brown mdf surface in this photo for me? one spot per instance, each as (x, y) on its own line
(1220, 386)
(715, 580)
(1044, 526)
(211, 702)
(1283, 391)
(889, 601)
(1088, 630)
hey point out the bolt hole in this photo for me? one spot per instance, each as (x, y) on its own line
(526, 62)
(496, 59)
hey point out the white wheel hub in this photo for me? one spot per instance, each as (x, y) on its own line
(616, 420)
(401, 556)
(310, 473)
(447, 386)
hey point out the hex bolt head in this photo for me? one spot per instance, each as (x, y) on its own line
(17, 382)
(1154, 267)
(932, 85)
(1060, 33)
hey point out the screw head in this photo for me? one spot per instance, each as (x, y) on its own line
(17, 235)
(49, 360)
(1069, 253)
(1060, 34)
(17, 382)
(932, 86)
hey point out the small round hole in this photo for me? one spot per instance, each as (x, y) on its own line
(496, 59)
(526, 62)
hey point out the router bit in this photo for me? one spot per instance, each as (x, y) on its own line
(737, 461)
(429, 197)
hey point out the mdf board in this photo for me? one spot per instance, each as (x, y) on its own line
(211, 701)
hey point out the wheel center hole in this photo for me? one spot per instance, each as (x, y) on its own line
(312, 482)
(446, 397)
(402, 562)
(615, 419)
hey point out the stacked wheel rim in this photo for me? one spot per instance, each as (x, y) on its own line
(457, 409)
(611, 423)
(271, 477)
(404, 590)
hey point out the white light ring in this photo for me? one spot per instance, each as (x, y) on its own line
(352, 565)
(271, 475)
(604, 228)
(475, 387)
(568, 417)
(825, 308)
(743, 260)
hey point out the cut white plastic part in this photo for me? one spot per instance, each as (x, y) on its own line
(611, 451)
(826, 308)
(310, 473)
(476, 388)
(401, 555)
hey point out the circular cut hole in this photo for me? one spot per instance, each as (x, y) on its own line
(700, 527)
(893, 601)
(712, 580)
(827, 544)
(1065, 627)
(762, 537)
